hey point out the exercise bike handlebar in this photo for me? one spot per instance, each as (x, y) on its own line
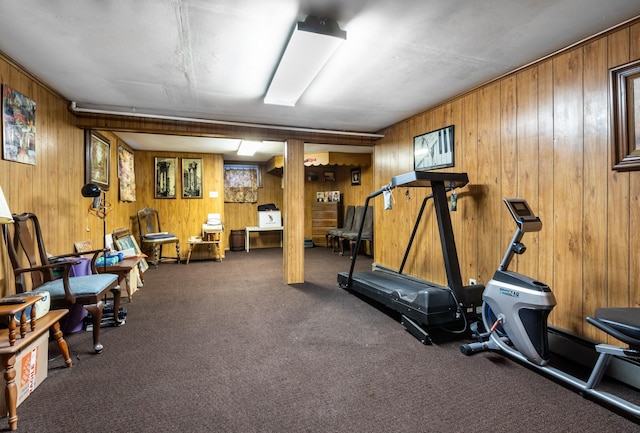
(526, 221)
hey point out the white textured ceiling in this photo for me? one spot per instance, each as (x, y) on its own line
(214, 59)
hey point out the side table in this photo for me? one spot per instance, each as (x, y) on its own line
(123, 269)
(212, 239)
(11, 345)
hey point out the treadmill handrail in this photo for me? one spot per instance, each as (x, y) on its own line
(425, 179)
(415, 228)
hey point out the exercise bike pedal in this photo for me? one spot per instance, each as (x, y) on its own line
(478, 332)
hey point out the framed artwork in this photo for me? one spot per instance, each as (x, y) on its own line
(126, 175)
(84, 246)
(128, 241)
(312, 176)
(97, 159)
(624, 83)
(18, 126)
(165, 177)
(355, 176)
(191, 177)
(433, 149)
(329, 176)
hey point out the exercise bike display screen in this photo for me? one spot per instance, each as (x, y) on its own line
(519, 208)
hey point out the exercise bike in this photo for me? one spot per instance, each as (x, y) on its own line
(515, 310)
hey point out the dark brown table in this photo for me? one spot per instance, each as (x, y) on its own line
(123, 270)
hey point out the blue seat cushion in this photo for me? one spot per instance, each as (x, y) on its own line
(88, 285)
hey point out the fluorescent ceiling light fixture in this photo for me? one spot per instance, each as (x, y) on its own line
(312, 43)
(248, 148)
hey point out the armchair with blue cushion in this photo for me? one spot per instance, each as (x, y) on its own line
(33, 270)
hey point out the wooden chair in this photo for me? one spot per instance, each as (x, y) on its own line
(152, 236)
(33, 270)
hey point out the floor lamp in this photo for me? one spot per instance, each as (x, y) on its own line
(100, 210)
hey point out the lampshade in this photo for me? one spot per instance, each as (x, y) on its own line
(312, 43)
(5, 213)
(92, 190)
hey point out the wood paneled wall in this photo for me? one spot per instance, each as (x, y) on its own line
(240, 215)
(181, 216)
(541, 133)
(51, 188)
(351, 194)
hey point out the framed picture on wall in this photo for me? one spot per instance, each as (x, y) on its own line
(97, 159)
(624, 82)
(191, 177)
(126, 174)
(433, 149)
(355, 176)
(165, 177)
(19, 127)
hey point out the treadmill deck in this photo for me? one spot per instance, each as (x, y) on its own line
(427, 303)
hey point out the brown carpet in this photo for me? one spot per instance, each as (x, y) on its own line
(228, 347)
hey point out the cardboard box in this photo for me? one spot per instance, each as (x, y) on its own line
(269, 218)
(31, 369)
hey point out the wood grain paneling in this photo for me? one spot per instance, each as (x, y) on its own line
(527, 157)
(540, 133)
(183, 217)
(293, 253)
(619, 249)
(568, 188)
(595, 173)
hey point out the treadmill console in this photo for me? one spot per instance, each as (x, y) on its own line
(523, 215)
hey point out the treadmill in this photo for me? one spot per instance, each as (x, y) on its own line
(421, 303)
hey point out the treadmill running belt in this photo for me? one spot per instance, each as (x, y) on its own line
(424, 302)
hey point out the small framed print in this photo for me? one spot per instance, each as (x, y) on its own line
(355, 176)
(433, 149)
(191, 177)
(97, 159)
(165, 177)
(19, 127)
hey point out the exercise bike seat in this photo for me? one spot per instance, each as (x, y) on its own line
(621, 323)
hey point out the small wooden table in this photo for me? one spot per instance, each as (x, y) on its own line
(212, 239)
(11, 345)
(123, 269)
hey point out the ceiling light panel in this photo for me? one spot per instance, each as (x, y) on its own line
(312, 43)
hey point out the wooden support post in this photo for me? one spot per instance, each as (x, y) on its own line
(293, 216)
